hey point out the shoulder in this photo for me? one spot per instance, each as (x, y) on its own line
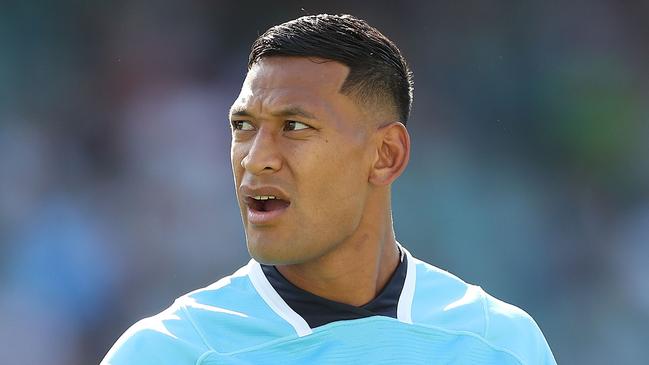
(166, 338)
(510, 327)
(227, 315)
(444, 301)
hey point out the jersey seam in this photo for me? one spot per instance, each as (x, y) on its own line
(205, 354)
(486, 312)
(477, 335)
(293, 337)
(198, 331)
(472, 334)
(485, 308)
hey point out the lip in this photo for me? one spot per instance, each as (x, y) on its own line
(249, 190)
(256, 217)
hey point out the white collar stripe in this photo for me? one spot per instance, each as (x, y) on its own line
(404, 308)
(276, 303)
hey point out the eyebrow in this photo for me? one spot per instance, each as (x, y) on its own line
(289, 111)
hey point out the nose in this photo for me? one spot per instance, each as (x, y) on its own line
(263, 157)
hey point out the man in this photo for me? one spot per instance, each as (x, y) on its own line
(318, 137)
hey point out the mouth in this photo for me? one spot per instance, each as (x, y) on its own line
(262, 209)
(266, 203)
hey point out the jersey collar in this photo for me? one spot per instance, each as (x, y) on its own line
(308, 311)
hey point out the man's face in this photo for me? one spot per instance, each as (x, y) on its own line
(297, 138)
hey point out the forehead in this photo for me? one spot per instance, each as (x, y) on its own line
(276, 82)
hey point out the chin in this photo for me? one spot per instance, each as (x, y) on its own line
(272, 253)
(280, 251)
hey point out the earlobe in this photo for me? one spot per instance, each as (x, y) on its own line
(392, 154)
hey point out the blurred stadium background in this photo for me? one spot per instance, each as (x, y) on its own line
(529, 174)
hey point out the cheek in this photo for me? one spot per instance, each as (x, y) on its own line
(333, 183)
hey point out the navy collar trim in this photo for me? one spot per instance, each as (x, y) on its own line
(318, 311)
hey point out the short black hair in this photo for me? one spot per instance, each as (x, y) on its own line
(377, 70)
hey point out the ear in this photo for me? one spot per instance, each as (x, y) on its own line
(393, 153)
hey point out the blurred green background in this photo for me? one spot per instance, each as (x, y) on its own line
(529, 174)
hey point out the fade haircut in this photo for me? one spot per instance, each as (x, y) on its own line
(378, 73)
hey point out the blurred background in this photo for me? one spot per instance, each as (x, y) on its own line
(529, 173)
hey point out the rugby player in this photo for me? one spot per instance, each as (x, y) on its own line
(318, 138)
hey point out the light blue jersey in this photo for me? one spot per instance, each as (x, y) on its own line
(241, 319)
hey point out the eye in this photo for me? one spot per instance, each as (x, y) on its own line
(292, 125)
(242, 125)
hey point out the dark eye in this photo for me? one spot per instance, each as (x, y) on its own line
(292, 125)
(242, 125)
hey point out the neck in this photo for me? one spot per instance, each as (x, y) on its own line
(356, 270)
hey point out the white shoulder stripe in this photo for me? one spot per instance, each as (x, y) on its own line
(404, 308)
(276, 303)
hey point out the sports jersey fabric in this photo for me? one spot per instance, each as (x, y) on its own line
(242, 319)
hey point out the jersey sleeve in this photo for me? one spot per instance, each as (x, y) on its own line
(514, 330)
(164, 339)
